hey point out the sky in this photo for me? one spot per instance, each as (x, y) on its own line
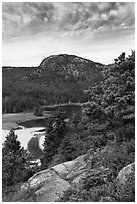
(32, 31)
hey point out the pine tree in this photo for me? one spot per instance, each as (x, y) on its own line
(55, 133)
(13, 160)
(113, 100)
(119, 95)
(66, 150)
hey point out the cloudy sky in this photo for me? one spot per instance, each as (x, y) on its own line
(31, 31)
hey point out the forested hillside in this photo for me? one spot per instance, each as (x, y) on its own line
(58, 79)
(104, 129)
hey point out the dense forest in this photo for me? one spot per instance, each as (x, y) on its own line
(58, 79)
(104, 128)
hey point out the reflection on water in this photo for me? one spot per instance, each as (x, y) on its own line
(25, 135)
(33, 147)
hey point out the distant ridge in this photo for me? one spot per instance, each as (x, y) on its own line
(58, 79)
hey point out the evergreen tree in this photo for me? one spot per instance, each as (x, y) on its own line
(55, 133)
(119, 96)
(13, 161)
(112, 101)
(66, 150)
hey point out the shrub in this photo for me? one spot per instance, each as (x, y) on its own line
(98, 141)
(16, 194)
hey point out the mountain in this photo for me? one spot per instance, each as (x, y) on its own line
(68, 68)
(58, 79)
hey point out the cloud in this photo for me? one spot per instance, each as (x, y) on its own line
(33, 17)
(19, 18)
(34, 30)
(31, 51)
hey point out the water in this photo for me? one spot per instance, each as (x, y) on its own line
(25, 135)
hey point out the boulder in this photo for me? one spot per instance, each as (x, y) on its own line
(48, 186)
(77, 179)
(126, 183)
(61, 170)
(126, 175)
(72, 171)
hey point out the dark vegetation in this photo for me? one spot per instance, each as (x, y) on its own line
(33, 147)
(104, 128)
(15, 166)
(58, 79)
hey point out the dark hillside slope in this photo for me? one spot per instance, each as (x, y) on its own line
(58, 79)
(58, 70)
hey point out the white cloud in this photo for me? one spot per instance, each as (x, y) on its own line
(26, 19)
(113, 13)
(101, 47)
(34, 30)
(34, 16)
(104, 17)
